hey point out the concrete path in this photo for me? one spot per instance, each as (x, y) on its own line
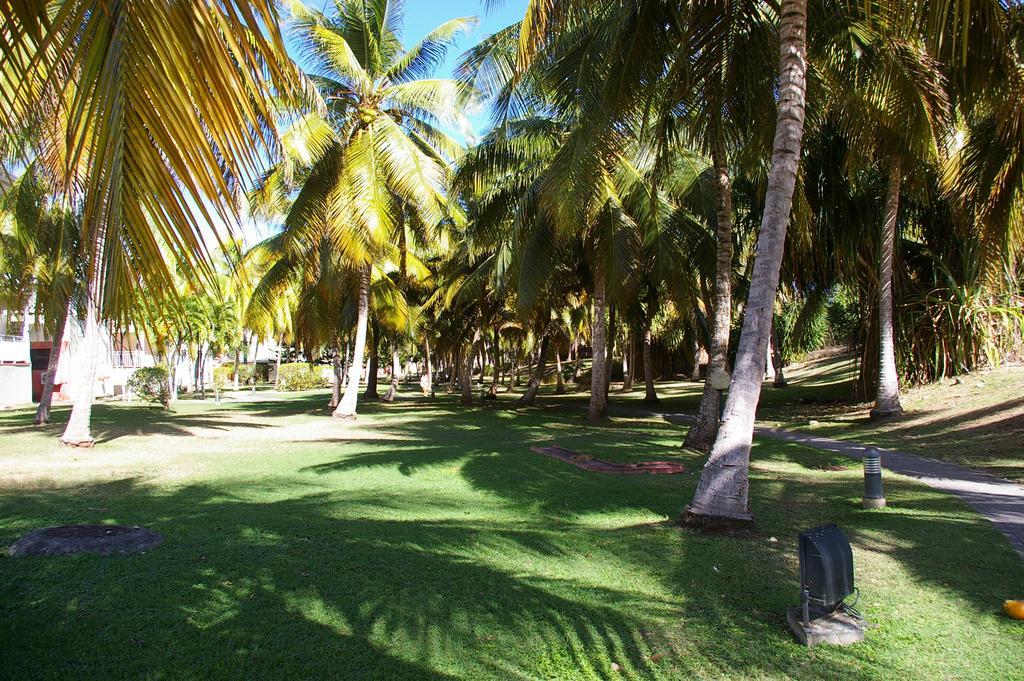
(999, 500)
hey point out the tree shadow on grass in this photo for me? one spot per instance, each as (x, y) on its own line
(372, 584)
(283, 590)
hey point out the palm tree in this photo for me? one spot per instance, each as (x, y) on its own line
(379, 152)
(722, 493)
(165, 110)
(891, 100)
(45, 242)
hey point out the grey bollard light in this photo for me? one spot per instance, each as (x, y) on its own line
(874, 497)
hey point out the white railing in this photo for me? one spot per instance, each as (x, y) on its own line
(13, 349)
(129, 359)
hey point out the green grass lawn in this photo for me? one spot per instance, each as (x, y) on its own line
(427, 541)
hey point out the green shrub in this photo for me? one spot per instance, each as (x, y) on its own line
(223, 374)
(301, 376)
(150, 384)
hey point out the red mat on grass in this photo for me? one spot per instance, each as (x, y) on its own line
(589, 463)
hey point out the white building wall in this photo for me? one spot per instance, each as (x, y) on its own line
(15, 366)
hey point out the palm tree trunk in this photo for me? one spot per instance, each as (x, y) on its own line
(537, 375)
(598, 410)
(347, 407)
(466, 377)
(887, 398)
(702, 433)
(348, 362)
(697, 357)
(610, 361)
(627, 362)
(396, 373)
(427, 382)
(650, 396)
(721, 496)
(255, 351)
(780, 378)
(453, 372)
(234, 372)
(559, 380)
(336, 386)
(46, 398)
(78, 431)
(578, 364)
(497, 359)
(374, 367)
(277, 369)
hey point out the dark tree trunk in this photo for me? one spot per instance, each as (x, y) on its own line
(537, 374)
(46, 398)
(598, 409)
(650, 396)
(702, 433)
(610, 357)
(466, 379)
(628, 364)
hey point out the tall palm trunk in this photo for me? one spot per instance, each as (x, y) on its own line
(497, 360)
(46, 398)
(78, 431)
(373, 367)
(559, 379)
(453, 371)
(598, 410)
(702, 433)
(255, 352)
(722, 493)
(779, 381)
(537, 375)
(427, 382)
(466, 375)
(234, 371)
(277, 369)
(887, 399)
(650, 396)
(348, 362)
(347, 406)
(336, 386)
(396, 374)
(699, 357)
(610, 359)
(627, 362)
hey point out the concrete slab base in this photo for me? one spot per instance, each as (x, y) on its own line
(835, 628)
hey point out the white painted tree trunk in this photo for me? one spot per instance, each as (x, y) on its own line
(722, 495)
(78, 431)
(347, 406)
(887, 397)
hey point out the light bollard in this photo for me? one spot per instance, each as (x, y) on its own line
(874, 497)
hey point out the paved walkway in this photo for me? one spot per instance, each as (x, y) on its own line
(997, 499)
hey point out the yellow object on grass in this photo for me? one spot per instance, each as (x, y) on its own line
(1014, 609)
